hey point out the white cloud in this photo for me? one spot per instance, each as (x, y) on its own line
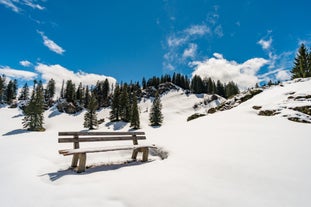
(33, 5)
(283, 75)
(218, 31)
(60, 73)
(173, 41)
(224, 70)
(11, 5)
(17, 74)
(191, 51)
(197, 30)
(16, 5)
(25, 63)
(265, 44)
(51, 44)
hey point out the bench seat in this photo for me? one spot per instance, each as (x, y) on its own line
(66, 152)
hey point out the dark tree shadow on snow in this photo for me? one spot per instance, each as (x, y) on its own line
(16, 131)
(53, 176)
(116, 125)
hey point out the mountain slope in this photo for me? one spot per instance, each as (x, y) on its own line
(230, 158)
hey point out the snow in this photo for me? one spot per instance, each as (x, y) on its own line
(230, 158)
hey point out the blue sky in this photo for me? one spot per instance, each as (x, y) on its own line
(246, 41)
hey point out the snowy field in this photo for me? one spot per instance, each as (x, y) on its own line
(231, 158)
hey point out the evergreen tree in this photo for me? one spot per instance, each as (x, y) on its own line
(33, 112)
(220, 89)
(125, 107)
(50, 89)
(135, 122)
(87, 97)
(70, 92)
(144, 83)
(90, 117)
(11, 91)
(155, 116)
(301, 63)
(115, 105)
(79, 93)
(62, 90)
(2, 88)
(24, 94)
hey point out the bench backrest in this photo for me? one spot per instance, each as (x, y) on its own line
(76, 137)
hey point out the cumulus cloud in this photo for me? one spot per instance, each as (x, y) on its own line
(51, 44)
(25, 63)
(218, 68)
(17, 74)
(60, 74)
(265, 44)
(283, 75)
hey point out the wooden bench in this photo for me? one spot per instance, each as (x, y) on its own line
(79, 154)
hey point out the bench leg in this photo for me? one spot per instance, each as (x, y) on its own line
(82, 162)
(74, 162)
(134, 154)
(145, 154)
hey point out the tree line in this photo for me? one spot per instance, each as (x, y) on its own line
(196, 85)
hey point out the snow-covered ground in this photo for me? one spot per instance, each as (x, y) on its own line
(230, 158)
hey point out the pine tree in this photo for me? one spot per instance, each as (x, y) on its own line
(50, 89)
(125, 107)
(135, 122)
(2, 88)
(155, 116)
(33, 112)
(62, 90)
(24, 94)
(301, 65)
(87, 97)
(220, 89)
(90, 117)
(11, 91)
(115, 105)
(79, 93)
(70, 91)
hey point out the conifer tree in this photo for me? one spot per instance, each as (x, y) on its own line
(87, 97)
(24, 94)
(115, 105)
(155, 116)
(50, 89)
(33, 112)
(2, 88)
(125, 107)
(90, 117)
(11, 91)
(62, 90)
(79, 93)
(135, 121)
(70, 92)
(301, 63)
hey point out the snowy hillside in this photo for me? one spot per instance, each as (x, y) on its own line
(229, 158)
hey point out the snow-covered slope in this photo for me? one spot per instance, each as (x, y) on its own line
(230, 158)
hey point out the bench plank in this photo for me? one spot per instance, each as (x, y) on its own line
(98, 139)
(103, 149)
(99, 133)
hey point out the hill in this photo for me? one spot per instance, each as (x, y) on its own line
(229, 158)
